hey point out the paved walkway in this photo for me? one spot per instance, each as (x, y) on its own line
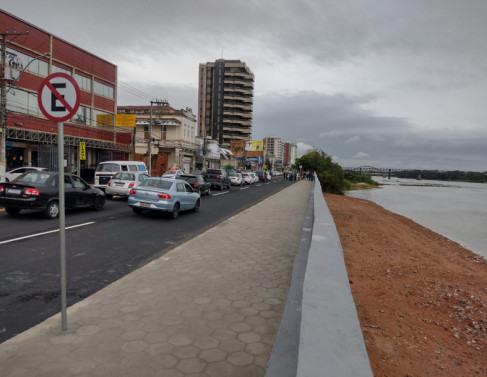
(210, 307)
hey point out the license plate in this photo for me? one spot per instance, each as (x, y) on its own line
(145, 204)
(119, 183)
(14, 191)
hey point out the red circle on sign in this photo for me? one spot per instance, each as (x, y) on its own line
(70, 104)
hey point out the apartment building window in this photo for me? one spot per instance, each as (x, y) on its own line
(22, 101)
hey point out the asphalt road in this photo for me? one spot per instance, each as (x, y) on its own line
(101, 247)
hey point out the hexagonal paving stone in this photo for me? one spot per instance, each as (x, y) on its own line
(232, 345)
(180, 340)
(206, 342)
(220, 368)
(213, 354)
(191, 366)
(240, 358)
(186, 352)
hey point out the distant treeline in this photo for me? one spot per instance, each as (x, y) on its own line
(456, 175)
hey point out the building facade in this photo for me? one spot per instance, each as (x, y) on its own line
(225, 101)
(273, 152)
(290, 154)
(172, 137)
(31, 139)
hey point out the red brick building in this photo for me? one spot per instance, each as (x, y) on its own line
(31, 55)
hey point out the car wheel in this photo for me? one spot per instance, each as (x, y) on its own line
(137, 211)
(175, 211)
(52, 210)
(196, 206)
(12, 210)
(99, 203)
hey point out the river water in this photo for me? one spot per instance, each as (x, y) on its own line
(456, 210)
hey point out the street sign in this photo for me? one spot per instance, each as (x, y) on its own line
(82, 151)
(58, 97)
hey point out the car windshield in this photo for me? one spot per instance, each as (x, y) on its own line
(33, 177)
(233, 174)
(171, 172)
(110, 167)
(156, 183)
(124, 176)
(188, 179)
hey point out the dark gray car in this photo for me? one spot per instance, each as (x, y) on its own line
(218, 178)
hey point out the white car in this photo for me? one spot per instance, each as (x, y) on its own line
(247, 178)
(122, 182)
(172, 174)
(14, 173)
(236, 179)
(254, 177)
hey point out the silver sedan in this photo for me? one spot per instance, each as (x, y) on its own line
(164, 195)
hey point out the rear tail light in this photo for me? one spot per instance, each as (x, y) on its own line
(218, 177)
(164, 196)
(31, 191)
(109, 183)
(195, 185)
(132, 192)
(131, 184)
(2, 189)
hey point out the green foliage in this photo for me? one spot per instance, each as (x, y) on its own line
(329, 173)
(355, 177)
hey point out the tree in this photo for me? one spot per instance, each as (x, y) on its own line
(329, 173)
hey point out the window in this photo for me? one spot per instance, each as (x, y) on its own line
(103, 90)
(83, 82)
(21, 61)
(56, 69)
(82, 116)
(21, 101)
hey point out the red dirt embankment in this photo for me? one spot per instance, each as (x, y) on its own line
(421, 298)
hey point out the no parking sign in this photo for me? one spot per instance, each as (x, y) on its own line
(58, 97)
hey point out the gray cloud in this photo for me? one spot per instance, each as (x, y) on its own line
(368, 81)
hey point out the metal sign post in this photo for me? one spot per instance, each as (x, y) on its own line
(59, 97)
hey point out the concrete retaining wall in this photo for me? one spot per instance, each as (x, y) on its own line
(330, 337)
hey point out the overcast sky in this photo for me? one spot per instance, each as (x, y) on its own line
(387, 83)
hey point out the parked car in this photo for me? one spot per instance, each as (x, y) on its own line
(107, 169)
(236, 179)
(38, 190)
(254, 177)
(198, 172)
(14, 173)
(218, 178)
(172, 173)
(262, 175)
(198, 182)
(247, 178)
(164, 195)
(122, 182)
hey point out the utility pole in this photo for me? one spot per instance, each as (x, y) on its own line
(149, 145)
(3, 102)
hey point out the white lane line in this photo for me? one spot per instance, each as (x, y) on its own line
(44, 233)
(220, 193)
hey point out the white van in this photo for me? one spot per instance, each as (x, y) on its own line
(107, 169)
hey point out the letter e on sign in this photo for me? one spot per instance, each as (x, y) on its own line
(58, 97)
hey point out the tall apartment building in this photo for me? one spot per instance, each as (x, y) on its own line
(290, 154)
(273, 151)
(225, 101)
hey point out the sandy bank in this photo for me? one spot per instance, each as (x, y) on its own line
(421, 298)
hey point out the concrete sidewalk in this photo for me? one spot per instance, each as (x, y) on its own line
(209, 307)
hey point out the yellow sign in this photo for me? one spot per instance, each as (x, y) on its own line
(82, 150)
(254, 146)
(125, 120)
(104, 120)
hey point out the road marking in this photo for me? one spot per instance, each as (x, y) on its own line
(244, 188)
(220, 193)
(44, 233)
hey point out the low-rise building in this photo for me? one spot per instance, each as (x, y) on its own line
(168, 133)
